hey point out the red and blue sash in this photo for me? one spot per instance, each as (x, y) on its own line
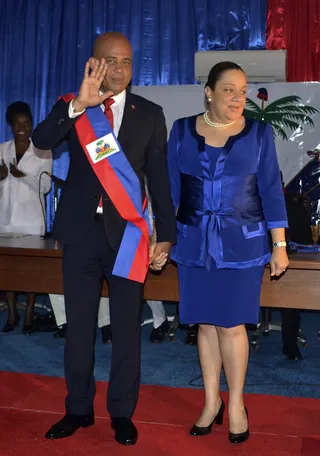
(123, 187)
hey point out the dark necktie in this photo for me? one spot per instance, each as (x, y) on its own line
(109, 115)
(108, 111)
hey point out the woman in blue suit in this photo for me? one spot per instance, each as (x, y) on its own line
(227, 193)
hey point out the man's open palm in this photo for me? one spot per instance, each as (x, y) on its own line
(88, 95)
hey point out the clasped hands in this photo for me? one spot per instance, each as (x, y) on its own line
(14, 171)
(158, 255)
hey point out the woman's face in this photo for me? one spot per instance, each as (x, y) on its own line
(21, 127)
(229, 96)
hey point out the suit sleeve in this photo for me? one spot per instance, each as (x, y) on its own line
(55, 128)
(269, 183)
(158, 181)
(173, 166)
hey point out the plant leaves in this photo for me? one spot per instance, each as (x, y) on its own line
(253, 106)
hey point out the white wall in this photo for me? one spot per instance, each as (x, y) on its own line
(176, 101)
(186, 100)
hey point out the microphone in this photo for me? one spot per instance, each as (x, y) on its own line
(57, 183)
(61, 183)
(46, 235)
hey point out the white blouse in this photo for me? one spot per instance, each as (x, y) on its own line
(20, 207)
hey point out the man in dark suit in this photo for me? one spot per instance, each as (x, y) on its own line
(91, 235)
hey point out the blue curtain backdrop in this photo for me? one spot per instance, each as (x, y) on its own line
(44, 45)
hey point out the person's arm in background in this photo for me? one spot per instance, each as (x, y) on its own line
(273, 202)
(45, 166)
(3, 167)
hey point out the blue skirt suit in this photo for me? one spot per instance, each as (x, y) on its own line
(225, 199)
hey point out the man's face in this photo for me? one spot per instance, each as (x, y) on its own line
(118, 55)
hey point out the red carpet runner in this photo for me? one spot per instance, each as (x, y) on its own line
(30, 404)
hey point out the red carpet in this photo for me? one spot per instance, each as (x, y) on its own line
(29, 404)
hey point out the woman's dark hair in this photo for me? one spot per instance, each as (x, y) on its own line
(217, 71)
(16, 109)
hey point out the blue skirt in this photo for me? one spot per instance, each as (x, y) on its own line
(220, 297)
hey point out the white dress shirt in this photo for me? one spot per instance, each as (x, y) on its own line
(117, 110)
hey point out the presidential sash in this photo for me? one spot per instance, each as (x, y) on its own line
(123, 187)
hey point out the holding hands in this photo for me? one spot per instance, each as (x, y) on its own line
(158, 255)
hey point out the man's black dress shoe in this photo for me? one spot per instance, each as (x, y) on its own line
(106, 334)
(125, 431)
(158, 334)
(28, 329)
(292, 352)
(192, 335)
(69, 425)
(61, 333)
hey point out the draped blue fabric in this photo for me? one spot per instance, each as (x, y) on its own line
(44, 45)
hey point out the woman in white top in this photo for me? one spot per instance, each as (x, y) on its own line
(23, 185)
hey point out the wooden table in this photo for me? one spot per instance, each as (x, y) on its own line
(298, 288)
(33, 264)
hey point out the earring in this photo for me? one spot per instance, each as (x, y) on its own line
(209, 99)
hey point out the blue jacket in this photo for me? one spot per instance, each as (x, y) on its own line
(225, 214)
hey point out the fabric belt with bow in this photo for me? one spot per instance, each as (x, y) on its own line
(210, 221)
(213, 243)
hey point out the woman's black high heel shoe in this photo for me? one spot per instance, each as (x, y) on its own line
(9, 327)
(243, 436)
(27, 330)
(197, 430)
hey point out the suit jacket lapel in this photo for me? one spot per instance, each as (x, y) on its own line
(128, 121)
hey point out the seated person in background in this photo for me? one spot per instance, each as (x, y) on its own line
(21, 188)
(299, 231)
(160, 322)
(192, 335)
(59, 310)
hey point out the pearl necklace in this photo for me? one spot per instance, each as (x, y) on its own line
(215, 124)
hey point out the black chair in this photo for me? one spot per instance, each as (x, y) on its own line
(265, 326)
